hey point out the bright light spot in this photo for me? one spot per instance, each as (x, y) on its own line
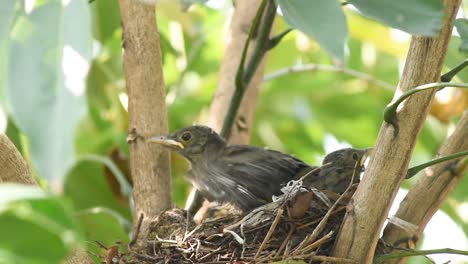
(191, 82)
(399, 36)
(330, 143)
(369, 54)
(149, 2)
(75, 69)
(279, 11)
(170, 97)
(446, 95)
(3, 121)
(269, 136)
(302, 41)
(66, 2)
(96, 49)
(216, 4)
(450, 236)
(123, 97)
(29, 6)
(440, 232)
(68, 237)
(176, 37)
(463, 211)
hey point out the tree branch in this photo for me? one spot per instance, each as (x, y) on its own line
(142, 60)
(331, 68)
(261, 27)
(414, 170)
(430, 191)
(390, 111)
(388, 165)
(243, 16)
(410, 253)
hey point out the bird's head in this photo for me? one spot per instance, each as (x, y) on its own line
(348, 157)
(192, 142)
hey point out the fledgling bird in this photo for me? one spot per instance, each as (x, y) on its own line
(242, 175)
(339, 168)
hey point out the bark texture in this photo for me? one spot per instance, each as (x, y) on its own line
(387, 168)
(13, 168)
(142, 60)
(431, 189)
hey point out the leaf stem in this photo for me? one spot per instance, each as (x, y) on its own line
(390, 110)
(414, 170)
(397, 255)
(331, 68)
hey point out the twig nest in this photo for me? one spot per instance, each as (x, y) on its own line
(299, 225)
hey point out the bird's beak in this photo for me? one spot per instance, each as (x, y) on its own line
(165, 141)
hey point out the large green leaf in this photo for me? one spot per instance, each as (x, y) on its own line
(322, 20)
(48, 61)
(105, 18)
(7, 13)
(34, 226)
(418, 17)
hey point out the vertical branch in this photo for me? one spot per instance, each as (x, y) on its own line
(147, 109)
(242, 120)
(237, 35)
(431, 189)
(371, 203)
(260, 31)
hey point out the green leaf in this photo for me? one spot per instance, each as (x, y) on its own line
(35, 227)
(7, 13)
(105, 19)
(462, 27)
(90, 176)
(49, 59)
(418, 17)
(322, 20)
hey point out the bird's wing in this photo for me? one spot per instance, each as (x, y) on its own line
(260, 172)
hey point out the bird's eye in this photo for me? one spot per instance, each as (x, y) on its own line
(355, 156)
(186, 136)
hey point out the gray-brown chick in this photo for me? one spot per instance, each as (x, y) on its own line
(242, 175)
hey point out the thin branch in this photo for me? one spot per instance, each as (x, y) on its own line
(261, 25)
(390, 110)
(324, 67)
(414, 170)
(272, 229)
(447, 77)
(276, 39)
(409, 253)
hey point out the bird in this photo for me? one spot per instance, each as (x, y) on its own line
(242, 175)
(339, 168)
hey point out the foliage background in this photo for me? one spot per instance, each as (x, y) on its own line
(69, 132)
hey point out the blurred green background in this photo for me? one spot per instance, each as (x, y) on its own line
(69, 118)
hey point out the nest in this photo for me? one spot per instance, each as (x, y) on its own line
(301, 224)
